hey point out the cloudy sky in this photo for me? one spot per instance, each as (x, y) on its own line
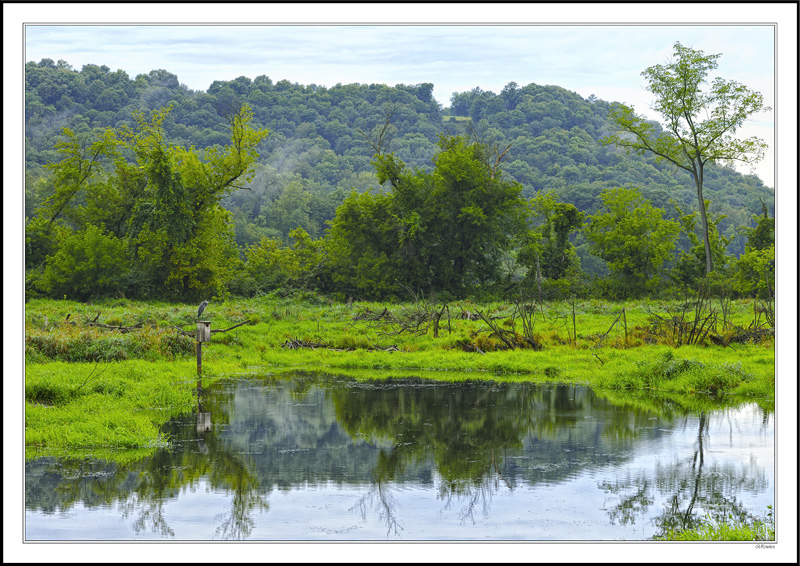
(604, 59)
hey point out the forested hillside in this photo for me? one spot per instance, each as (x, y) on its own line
(318, 152)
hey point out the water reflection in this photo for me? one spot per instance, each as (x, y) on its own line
(386, 445)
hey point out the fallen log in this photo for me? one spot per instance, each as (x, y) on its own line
(469, 347)
(295, 344)
(372, 316)
(118, 327)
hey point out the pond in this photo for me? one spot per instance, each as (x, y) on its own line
(310, 457)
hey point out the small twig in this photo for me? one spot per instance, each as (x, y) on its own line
(182, 331)
(85, 381)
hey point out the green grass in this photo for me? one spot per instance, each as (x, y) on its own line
(749, 529)
(456, 118)
(95, 388)
(116, 406)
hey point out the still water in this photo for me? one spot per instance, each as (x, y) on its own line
(317, 457)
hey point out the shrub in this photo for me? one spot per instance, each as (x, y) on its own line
(86, 265)
(754, 273)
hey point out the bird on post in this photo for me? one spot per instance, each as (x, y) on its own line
(203, 306)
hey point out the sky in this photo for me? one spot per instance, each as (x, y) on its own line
(598, 48)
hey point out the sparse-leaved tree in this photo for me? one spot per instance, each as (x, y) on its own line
(699, 126)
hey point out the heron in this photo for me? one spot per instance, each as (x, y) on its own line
(203, 306)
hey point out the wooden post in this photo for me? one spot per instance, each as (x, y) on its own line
(203, 422)
(203, 335)
(574, 331)
(625, 325)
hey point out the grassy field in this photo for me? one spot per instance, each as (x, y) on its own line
(105, 376)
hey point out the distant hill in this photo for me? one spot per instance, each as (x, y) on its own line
(317, 152)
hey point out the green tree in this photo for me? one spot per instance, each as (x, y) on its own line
(545, 249)
(291, 210)
(87, 264)
(754, 272)
(762, 236)
(699, 126)
(444, 230)
(558, 253)
(263, 266)
(79, 179)
(690, 267)
(183, 239)
(633, 237)
(271, 265)
(200, 266)
(361, 247)
(454, 223)
(166, 204)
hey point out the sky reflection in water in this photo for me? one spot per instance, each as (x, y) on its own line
(327, 458)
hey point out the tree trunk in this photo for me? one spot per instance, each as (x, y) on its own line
(538, 277)
(698, 181)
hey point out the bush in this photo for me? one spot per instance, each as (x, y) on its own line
(754, 273)
(634, 238)
(88, 264)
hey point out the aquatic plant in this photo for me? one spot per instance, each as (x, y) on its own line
(728, 529)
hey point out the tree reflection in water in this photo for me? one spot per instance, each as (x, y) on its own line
(181, 467)
(389, 464)
(471, 439)
(239, 523)
(694, 493)
(463, 426)
(474, 496)
(150, 515)
(379, 498)
(230, 471)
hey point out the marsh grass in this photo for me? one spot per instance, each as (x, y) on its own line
(120, 406)
(670, 373)
(336, 323)
(728, 529)
(74, 343)
(98, 387)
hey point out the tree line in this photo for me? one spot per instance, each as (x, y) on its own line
(365, 190)
(151, 226)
